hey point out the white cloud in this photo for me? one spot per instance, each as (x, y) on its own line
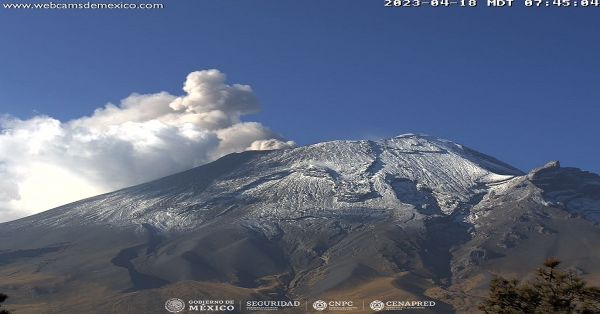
(45, 163)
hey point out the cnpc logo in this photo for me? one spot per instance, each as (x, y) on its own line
(320, 305)
(335, 305)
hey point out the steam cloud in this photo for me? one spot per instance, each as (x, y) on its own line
(45, 163)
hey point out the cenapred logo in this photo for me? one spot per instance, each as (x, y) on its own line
(320, 305)
(377, 305)
(175, 305)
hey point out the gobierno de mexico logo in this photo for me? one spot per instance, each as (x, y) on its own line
(175, 305)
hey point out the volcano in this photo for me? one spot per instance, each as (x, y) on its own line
(412, 217)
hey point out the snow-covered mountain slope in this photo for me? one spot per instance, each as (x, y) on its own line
(413, 217)
(571, 189)
(409, 176)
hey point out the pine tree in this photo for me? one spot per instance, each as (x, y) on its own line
(552, 291)
(3, 298)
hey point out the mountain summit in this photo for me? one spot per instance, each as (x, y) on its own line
(410, 217)
(410, 174)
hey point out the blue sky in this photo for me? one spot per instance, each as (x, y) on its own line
(520, 84)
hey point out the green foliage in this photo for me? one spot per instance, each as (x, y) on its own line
(3, 298)
(553, 291)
